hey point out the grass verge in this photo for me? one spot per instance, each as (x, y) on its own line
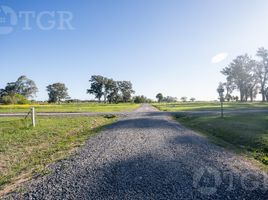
(71, 107)
(209, 106)
(25, 151)
(248, 133)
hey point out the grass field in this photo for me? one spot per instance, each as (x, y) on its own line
(201, 106)
(25, 151)
(248, 133)
(71, 107)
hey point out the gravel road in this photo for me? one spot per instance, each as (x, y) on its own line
(146, 155)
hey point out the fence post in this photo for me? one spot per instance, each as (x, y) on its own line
(221, 109)
(33, 116)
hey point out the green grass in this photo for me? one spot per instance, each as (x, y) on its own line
(71, 107)
(202, 106)
(25, 151)
(248, 133)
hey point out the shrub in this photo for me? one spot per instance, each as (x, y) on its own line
(265, 160)
(14, 99)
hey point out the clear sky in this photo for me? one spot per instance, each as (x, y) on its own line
(166, 46)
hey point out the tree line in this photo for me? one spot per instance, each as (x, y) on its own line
(161, 98)
(110, 90)
(247, 76)
(23, 89)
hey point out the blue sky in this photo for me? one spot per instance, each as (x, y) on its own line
(161, 46)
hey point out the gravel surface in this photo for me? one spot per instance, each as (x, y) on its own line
(146, 155)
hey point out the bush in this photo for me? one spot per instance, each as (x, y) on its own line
(265, 160)
(14, 99)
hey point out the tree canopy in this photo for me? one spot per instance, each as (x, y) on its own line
(248, 76)
(22, 86)
(109, 89)
(57, 92)
(159, 97)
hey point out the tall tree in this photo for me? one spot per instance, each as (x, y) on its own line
(240, 75)
(26, 87)
(23, 86)
(262, 70)
(57, 92)
(126, 90)
(10, 89)
(109, 89)
(192, 99)
(183, 99)
(112, 91)
(159, 97)
(97, 86)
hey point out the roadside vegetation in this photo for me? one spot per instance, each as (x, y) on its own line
(210, 106)
(106, 90)
(25, 151)
(248, 133)
(246, 75)
(69, 107)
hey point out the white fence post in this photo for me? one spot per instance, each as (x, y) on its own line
(33, 116)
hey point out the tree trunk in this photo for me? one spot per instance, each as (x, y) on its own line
(251, 97)
(263, 97)
(241, 95)
(105, 98)
(263, 94)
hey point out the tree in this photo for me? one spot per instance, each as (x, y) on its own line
(229, 89)
(96, 86)
(57, 92)
(240, 75)
(126, 90)
(228, 97)
(10, 89)
(169, 99)
(266, 94)
(141, 99)
(23, 86)
(192, 99)
(183, 99)
(112, 91)
(159, 97)
(236, 98)
(262, 70)
(109, 89)
(26, 87)
(107, 85)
